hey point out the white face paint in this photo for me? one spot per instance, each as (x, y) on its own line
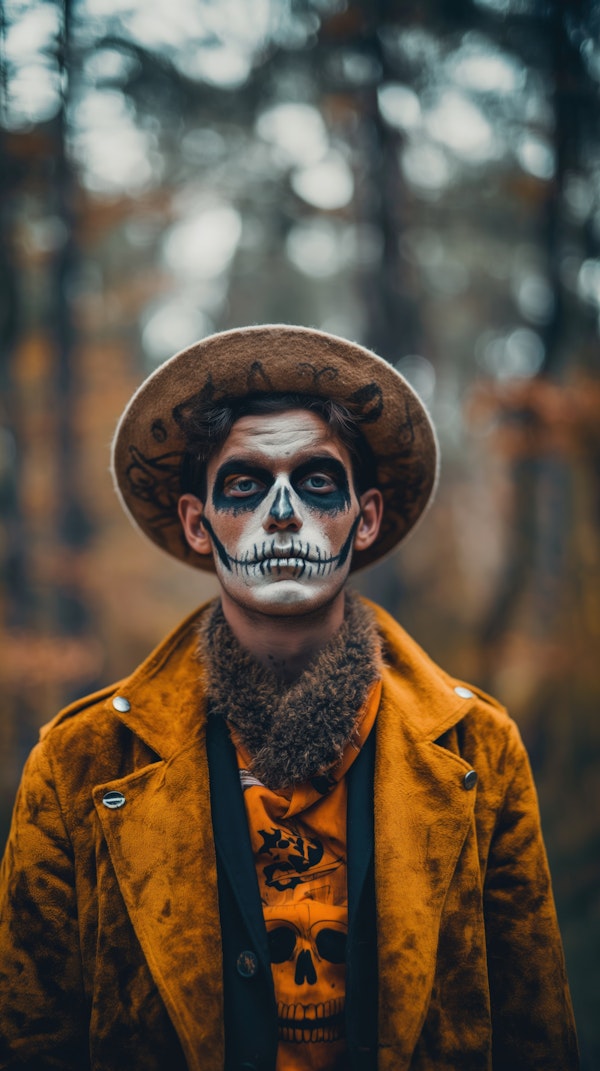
(281, 512)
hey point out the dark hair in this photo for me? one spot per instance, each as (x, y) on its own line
(206, 426)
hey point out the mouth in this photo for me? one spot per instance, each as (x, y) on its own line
(300, 558)
(296, 565)
(303, 559)
(315, 1022)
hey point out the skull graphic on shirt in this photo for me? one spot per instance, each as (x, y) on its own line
(307, 944)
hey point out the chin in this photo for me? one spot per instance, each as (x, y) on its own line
(285, 598)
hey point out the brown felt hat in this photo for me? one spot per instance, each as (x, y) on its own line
(272, 359)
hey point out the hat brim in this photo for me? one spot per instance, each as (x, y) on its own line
(149, 442)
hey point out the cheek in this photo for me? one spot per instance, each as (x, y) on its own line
(235, 506)
(232, 527)
(327, 527)
(330, 505)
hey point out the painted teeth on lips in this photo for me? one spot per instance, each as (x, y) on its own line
(289, 552)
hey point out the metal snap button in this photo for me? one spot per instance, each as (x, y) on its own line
(121, 704)
(247, 964)
(113, 800)
(470, 779)
(464, 693)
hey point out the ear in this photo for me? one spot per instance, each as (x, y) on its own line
(371, 504)
(190, 510)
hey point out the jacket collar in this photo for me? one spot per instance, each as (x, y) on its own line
(167, 699)
(430, 699)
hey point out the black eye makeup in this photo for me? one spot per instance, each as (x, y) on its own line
(321, 482)
(240, 486)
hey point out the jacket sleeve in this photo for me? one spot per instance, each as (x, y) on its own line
(532, 1017)
(42, 1012)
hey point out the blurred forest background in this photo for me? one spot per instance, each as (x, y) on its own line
(421, 177)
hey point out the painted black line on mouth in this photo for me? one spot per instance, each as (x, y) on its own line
(265, 558)
(268, 559)
(349, 542)
(223, 555)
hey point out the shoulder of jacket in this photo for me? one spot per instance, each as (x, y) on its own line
(467, 690)
(80, 706)
(432, 685)
(95, 702)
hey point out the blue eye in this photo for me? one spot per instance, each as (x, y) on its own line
(241, 486)
(318, 483)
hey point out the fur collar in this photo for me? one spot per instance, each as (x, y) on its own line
(296, 732)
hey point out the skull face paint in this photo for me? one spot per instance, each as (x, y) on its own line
(281, 512)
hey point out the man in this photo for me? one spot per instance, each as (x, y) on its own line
(288, 840)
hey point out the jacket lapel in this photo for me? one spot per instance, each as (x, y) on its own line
(162, 850)
(422, 816)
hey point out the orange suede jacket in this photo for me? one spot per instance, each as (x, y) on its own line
(110, 939)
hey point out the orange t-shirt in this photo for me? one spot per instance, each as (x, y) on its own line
(299, 845)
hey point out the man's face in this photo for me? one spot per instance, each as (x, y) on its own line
(281, 514)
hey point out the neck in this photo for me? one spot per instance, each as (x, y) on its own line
(284, 644)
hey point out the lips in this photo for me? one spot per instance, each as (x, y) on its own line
(300, 566)
(270, 565)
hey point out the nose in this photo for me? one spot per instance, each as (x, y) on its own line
(305, 969)
(282, 513)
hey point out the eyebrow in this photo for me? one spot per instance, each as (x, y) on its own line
(259, 459)
(247, 466)
(330, 464)
(241, 466)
